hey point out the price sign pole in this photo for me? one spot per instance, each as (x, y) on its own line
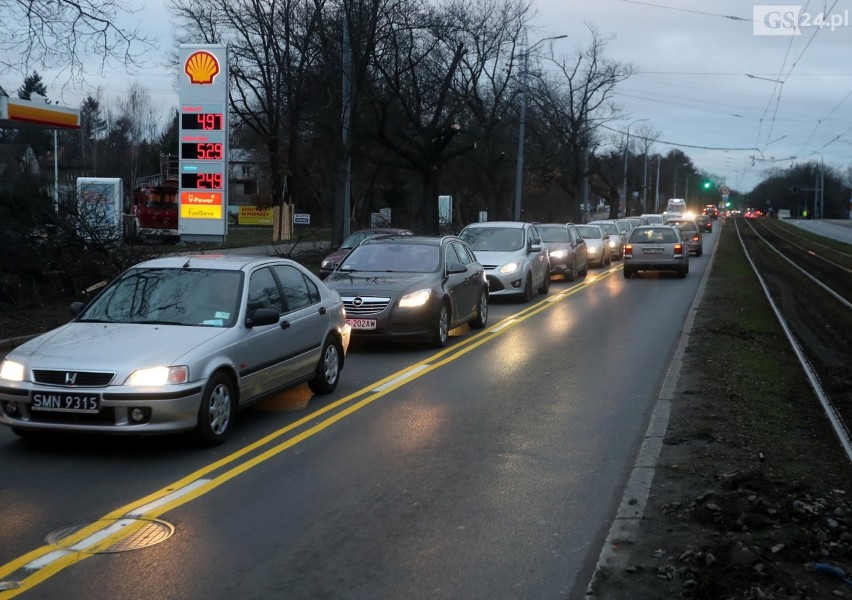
(203, 133)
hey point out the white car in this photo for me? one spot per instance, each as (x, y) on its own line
(515, 259)
(177, 344)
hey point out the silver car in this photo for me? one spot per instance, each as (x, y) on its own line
(515, 260)
(616, 239)
(177, 344)
(656, 248)
(597, 244)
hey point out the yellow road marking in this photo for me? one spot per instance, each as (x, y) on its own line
(42, 563)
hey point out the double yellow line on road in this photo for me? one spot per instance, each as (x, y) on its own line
(42, 563)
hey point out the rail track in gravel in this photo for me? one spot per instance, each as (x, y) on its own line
(809, 279)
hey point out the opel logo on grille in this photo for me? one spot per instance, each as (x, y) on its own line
(358, 301)
(70, 378)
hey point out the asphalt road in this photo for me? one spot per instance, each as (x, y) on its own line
(491, 469)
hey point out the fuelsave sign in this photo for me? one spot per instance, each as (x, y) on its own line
(203, 142)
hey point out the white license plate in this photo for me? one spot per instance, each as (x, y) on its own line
(362, 323)
(652, 250)
(65, 402)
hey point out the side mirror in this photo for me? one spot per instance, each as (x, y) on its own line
(456, 267)
(535, 248)
(75, 308)
(262, 316)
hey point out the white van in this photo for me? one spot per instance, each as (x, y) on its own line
(675, 209)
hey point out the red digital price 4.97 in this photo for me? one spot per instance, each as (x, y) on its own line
(201, 181)
(203, 121)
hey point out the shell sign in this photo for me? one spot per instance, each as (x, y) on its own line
(202, 67)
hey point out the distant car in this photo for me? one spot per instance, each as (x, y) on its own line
(568, 251)
(176, 344)
(597, 244)
(356, 237)
(712, 211)
(615, 239)
(691, 233)
(515, 259)
(653, 218)
(656, 248)
(705, 223)
(411, 288)
(623, 227)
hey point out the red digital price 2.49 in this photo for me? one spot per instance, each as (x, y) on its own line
(201, 181)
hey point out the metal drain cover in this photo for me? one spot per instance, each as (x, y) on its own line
(152, 532)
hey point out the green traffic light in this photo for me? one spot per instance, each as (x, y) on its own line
(707, 185)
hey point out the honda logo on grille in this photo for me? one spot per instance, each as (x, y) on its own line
(70, 378)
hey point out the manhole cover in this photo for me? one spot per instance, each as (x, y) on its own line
(152, 531)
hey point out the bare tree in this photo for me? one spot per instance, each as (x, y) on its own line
(62, 34)
(572, 106)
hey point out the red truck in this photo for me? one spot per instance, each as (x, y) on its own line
(153, 211)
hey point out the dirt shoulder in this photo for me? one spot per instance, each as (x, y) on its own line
(752, 491)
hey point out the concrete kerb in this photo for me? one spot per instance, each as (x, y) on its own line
(616, 549)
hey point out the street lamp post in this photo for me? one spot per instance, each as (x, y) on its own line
(519, 167)
(626, 154)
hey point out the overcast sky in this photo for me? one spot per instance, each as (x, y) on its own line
(737, 103)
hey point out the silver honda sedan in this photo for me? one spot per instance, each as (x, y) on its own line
(177, 344)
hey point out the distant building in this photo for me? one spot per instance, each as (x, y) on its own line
(17, 161)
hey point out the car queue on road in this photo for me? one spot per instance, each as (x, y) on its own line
(162, 357)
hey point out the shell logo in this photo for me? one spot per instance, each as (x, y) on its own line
(202, 67)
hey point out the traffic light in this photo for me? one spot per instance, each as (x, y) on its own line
(706, 184)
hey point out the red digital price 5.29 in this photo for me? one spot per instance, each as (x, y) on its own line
(202, 151)
(201, 181)
(204, 121)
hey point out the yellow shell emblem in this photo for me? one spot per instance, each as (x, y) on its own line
(201, 67)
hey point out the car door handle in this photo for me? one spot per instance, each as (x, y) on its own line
(323, 310)
(285, 324)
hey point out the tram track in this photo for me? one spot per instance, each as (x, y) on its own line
(810, 287)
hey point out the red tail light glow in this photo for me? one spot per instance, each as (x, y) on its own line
(628, 250)
(678, 249)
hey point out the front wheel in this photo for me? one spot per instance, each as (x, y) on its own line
(481, 318)
(442, 327)
(545, 284)
(328, 369)
(527, 294)
(218, 411)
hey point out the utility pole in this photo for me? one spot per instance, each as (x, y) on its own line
(657, 190)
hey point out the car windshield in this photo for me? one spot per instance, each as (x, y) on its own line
(199, 297)
(554, 234)
(610, 228)
(589, 232)
(494, 239)
(653, 235)
(356, 238)
(393, 258)
(685, 225)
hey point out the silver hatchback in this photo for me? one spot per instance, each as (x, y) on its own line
(656, 248)
(176, 344)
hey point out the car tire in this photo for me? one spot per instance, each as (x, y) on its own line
(527, 294)
(628, 273)
(682, 272)
(217, 412)
(545, 283)
(609, 260)
(328, 369)
(699, 252)
(585, 270)
(442, 326)
(481, 318)
(571, 274)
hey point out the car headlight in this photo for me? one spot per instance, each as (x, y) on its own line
(613, 243)
(559, 253)
(510, 267)
(157, 376)
(415, 299)
(11, 371)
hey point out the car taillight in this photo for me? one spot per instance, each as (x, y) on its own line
(696, 236)
(628, 250)
(678, 249)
